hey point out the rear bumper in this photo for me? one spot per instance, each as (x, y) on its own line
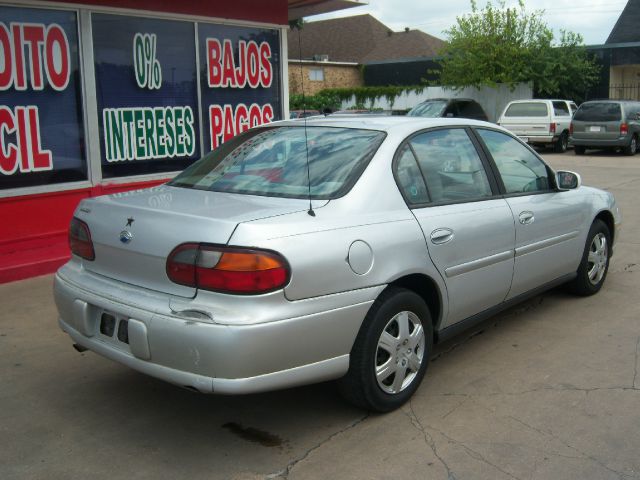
(534, 139)
(599, 143)
(311, 346)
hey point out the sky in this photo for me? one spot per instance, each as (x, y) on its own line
(593, 19)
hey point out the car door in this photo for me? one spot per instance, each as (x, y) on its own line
(469, 229)
(547, 222)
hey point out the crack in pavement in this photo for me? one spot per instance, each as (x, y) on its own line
(428, 439)
(622, 184)
(474, 453)
(284, 473)
(584, 455)
(464, 399)
(561, 388)
(635, 370)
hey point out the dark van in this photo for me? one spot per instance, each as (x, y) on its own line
(606, 124)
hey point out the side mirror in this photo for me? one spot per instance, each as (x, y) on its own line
(567, 180)
(449, 115)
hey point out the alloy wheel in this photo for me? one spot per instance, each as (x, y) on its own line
(597, 259)
(400, 352)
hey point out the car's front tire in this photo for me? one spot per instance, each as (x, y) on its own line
(594, 264)
(391, 352)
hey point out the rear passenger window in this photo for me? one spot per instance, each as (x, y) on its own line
(451, 166)
(561, 109)
(527, 109)
(520, 169)
(472, 110)
(409, 177)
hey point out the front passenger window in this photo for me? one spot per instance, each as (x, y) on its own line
(520, 169)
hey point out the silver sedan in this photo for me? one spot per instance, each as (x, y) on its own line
(331, 248)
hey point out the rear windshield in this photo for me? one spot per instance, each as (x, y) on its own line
(531, 109)
(598, 112)
(428, 109)
(272, 161)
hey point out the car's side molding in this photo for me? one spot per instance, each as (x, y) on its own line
(532, 247)
(458, 327)
(479, 263)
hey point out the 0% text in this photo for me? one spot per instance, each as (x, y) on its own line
(147, 66)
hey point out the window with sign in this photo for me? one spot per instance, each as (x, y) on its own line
(146, 88)
(42, 139)
(239, 79)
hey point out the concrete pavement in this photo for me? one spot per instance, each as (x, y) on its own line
(547, 390)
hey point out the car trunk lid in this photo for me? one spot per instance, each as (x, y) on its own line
(134, 232)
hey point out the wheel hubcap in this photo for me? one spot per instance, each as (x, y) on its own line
(597, 259)
(400, 352)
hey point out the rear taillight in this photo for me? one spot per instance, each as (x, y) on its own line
(571, 128)
(80, 240)
(227, 269)
(624, 129)
(552, 127)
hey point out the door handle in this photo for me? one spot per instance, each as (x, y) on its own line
(526, 218)
(441, 235)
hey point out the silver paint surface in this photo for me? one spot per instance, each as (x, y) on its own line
(477, 254)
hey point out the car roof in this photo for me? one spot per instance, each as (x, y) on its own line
(529, 100)
(448, 99)
(612, 100)
(387, 123)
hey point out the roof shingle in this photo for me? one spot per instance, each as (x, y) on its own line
(626, 28)
(360, 39)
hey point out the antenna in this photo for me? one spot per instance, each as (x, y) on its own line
(304, 118)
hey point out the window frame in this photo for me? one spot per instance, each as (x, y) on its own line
(484, 160)
(315, 71)
(496, 172)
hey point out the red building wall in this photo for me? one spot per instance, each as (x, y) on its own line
(33, 228)
(265, 11)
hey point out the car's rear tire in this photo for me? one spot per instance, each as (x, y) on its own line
(632, 147)
(391, 352)
(562, 143)
(579, 149)
(594, 264)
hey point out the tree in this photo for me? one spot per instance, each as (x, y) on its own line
(499, 45)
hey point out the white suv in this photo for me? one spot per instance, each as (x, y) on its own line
(540, 122)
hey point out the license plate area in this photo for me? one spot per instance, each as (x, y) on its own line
(115, 328)
(595, 128)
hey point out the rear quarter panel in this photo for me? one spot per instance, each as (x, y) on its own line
(373, 214)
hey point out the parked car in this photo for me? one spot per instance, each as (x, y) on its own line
(343, 250)
(540, 122)
(449, 108)
(606, 124)
(303, 113)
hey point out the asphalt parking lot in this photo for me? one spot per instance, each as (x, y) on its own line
(547, 390)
